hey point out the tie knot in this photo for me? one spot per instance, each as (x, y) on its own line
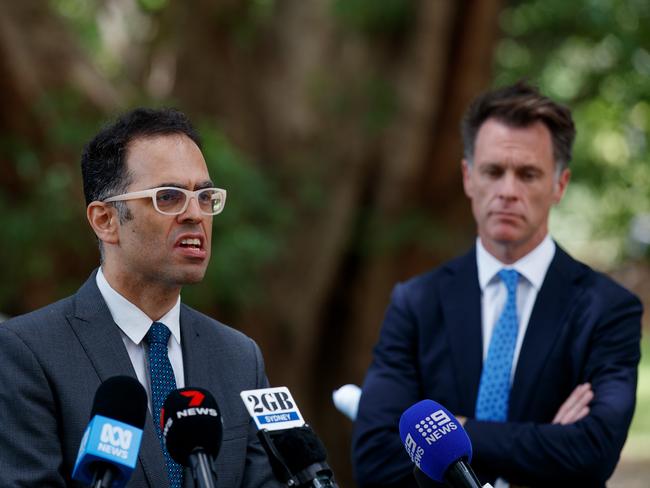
(509, 278)
(158, 334)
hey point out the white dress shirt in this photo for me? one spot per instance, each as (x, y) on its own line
(532, 269)
(134, 325)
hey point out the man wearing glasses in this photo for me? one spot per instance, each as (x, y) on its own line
(150, 202)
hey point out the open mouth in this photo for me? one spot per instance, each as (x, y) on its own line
(194, 243)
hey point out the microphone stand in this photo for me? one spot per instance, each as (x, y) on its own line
(202, 469)
(103, 477)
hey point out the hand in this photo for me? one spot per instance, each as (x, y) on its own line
(576, 406)
(461, 420)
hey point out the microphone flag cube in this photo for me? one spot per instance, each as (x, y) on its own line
(272, 408)
(109, 441)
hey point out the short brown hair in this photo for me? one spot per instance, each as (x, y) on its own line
(521, 105)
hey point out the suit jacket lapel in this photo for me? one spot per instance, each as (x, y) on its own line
(461, 304)
(194, 351)
(101, 339)
(203, 359)
(547, 319)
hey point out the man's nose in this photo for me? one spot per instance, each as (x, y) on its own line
(192, 212)
(509, 187)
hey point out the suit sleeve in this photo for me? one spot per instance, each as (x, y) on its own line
(30, 452)
(584, 453)
(390, 387)
(257, 473)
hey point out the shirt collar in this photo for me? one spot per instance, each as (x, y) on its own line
(130, 319)
(532, 266)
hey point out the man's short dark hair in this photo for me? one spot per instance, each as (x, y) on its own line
(103, 160)
(521, 105)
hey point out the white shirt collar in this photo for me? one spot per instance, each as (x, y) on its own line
(130, 319)
(532, 266)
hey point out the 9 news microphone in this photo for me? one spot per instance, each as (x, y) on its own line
(297, 455)
(109, 448)
(438, 445)
(192, 428)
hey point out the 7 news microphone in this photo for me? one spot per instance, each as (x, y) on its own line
(438, 446)
(109, 448)
(192, 427)
(296, 454)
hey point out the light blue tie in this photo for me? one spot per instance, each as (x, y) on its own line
(162, 383)
(494, 389)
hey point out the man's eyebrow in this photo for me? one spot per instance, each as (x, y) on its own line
(198, 186)
(530, 167)
(204, 184)
(492, 165)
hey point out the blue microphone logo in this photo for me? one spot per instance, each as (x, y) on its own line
(414, 451)
(434, 426)
(115, 440)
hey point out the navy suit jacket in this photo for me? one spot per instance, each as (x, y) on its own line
(52, 361)
(583, 328)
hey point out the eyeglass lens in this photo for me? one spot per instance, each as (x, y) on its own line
(169, 200)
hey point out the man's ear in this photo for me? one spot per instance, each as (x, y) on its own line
(467, 180)
(561, 184)
(104, 221)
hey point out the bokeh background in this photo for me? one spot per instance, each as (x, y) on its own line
(334, 126)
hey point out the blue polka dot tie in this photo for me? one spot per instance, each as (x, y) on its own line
(494, 389)
(162, 383)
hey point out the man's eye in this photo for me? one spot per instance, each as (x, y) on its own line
(493, 172)
(528, 175)
(168, 195)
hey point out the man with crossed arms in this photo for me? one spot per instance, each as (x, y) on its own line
(534, 351)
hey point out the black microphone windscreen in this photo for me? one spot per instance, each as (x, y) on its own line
(191, 420)
(300, 447)
(121, 398)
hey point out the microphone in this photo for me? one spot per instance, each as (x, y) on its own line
(192, 427)
(109, 448)
(438, 445)
(297, 455)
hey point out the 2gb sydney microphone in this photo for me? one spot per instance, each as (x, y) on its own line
(109, 448)
(296, 454)
(438, 445)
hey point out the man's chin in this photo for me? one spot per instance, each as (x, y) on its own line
(505, 234)
(191, 276)
(193, 279)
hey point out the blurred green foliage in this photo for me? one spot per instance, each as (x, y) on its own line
(387, 17)
(153, 5)
(42, 212)
(594, 56)
(639, 438)
(81, 20)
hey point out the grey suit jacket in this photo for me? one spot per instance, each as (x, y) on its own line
(52, 361)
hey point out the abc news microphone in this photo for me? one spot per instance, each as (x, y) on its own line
(297, 455)
(438, 446)
(191, 424)
(109, 448)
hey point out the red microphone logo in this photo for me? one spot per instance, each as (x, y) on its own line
(196, 397)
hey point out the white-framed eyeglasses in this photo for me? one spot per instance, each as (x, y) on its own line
(170, 200)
